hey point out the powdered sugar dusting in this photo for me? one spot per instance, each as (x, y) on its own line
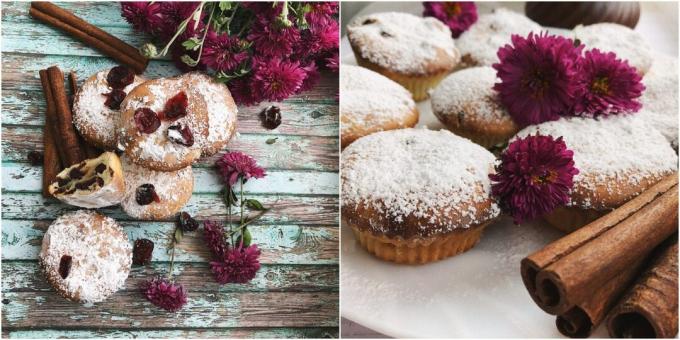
(491, 31)
(371, 99)
(400, 41)
(660, 98)
(470, 91)
(620, 149)
(415, 171)
(100, 251)
(626, 43)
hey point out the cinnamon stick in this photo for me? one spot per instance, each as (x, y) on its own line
(89, 150)
(567, 272)
(93, 36)
(65, 131)
(51, 162)
(51, 120)
(650, 308)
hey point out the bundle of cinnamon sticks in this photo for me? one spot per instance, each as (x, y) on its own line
(581, 276)
(63, 146)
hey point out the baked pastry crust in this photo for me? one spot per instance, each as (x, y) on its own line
(100, 251)
(628, 44)
(94, 120)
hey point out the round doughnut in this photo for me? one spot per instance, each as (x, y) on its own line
(626, 43)
(660, 97)
(86, 256)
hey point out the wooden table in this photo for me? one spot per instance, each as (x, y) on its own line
(295, 293)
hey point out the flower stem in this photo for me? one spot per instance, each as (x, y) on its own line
(205, 33)
(181, 28)
(229, 215)
(172, 257)
(242, 203)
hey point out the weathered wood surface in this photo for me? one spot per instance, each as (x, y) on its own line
(295, 294)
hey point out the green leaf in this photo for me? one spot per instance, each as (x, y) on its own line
(246, 236)
(178, 235)
(225, 5)
(188, 60)
(191, 44)
(271, 140)
(254, 204)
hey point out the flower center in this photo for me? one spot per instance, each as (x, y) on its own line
(452, 9)
(546, 177)
(537, 83)
(600, 85)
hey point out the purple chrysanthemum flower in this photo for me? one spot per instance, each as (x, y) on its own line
(239, 265)
(534, 177)
(143, 15)
(223, 52)
(165, 294)
(242, 91)
(312, 78)
(172, 14)
(539, 77)
(235, 164)
(322, 35)
(321, 11)
(277, 79)
(608, 85)
(333, 62)
(271, 40)
(213, 235)
(459, 16)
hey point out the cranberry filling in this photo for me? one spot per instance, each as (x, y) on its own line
(146, 120)
(176, 107)
(181, 135)
(119, 77)
(145, 194)
(65, 266)
(114, 98)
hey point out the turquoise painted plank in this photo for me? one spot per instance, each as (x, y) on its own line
(21, 276)
(127, 309)
(26, 178)
(285, 209)
(280, 244)
(102, 14)
(266, 333)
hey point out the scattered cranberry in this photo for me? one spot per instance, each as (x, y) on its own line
(35, 158)
(145, 194)
(271, 117)
(176, 107)
(146, 120)
(141, 253)
(119, 77)
(114, 99)
(181, 135)
(186, 222)
(65, 266)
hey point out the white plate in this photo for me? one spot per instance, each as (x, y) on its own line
(476, 294)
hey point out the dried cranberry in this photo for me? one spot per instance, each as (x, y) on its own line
(176, 107)
(186, 222)
(141, 253)
(271, 117)
(35, 158)
(75, 173)
(145, 194)
(114, 99)
(84, 185)
(181, 135)
(119, 77)
(62, 181)
(146, 120)
(100, 168)
(65, 266)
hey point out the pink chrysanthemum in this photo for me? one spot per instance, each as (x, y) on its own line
(539, 77)
(333, 62)
(142, 15)
(534, 177)
(608, 85)
(213, 235)
(459, 16)
(239, 265)
(235, 164)
(165, 294)
(223, 52)
(323, 35)
(172, 14)
(271, 40)
(312, 78)
(321, 11)
(277, 79)
(243, 93)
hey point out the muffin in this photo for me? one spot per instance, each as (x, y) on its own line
(372, 102)
(416, 195)
(627, 44)
(618, 157)
(660, 97)
(413, 51)
(466, 103)
(479, 44)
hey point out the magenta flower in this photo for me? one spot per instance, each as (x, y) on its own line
(608, 85)
(539, 77)
(273, 41)
(534, 177)
(142, 15)
(238, 265)
(321, 11)
(235, 164)
(213, 235)
(277, 79)
(333, 62)
(223, 52)
(459, 16)
(323, 35)
(172, 14)
(312, 78)
(165, 294)
(243, 93)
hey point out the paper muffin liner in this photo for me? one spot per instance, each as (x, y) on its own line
(419, 251)
(569, 219)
